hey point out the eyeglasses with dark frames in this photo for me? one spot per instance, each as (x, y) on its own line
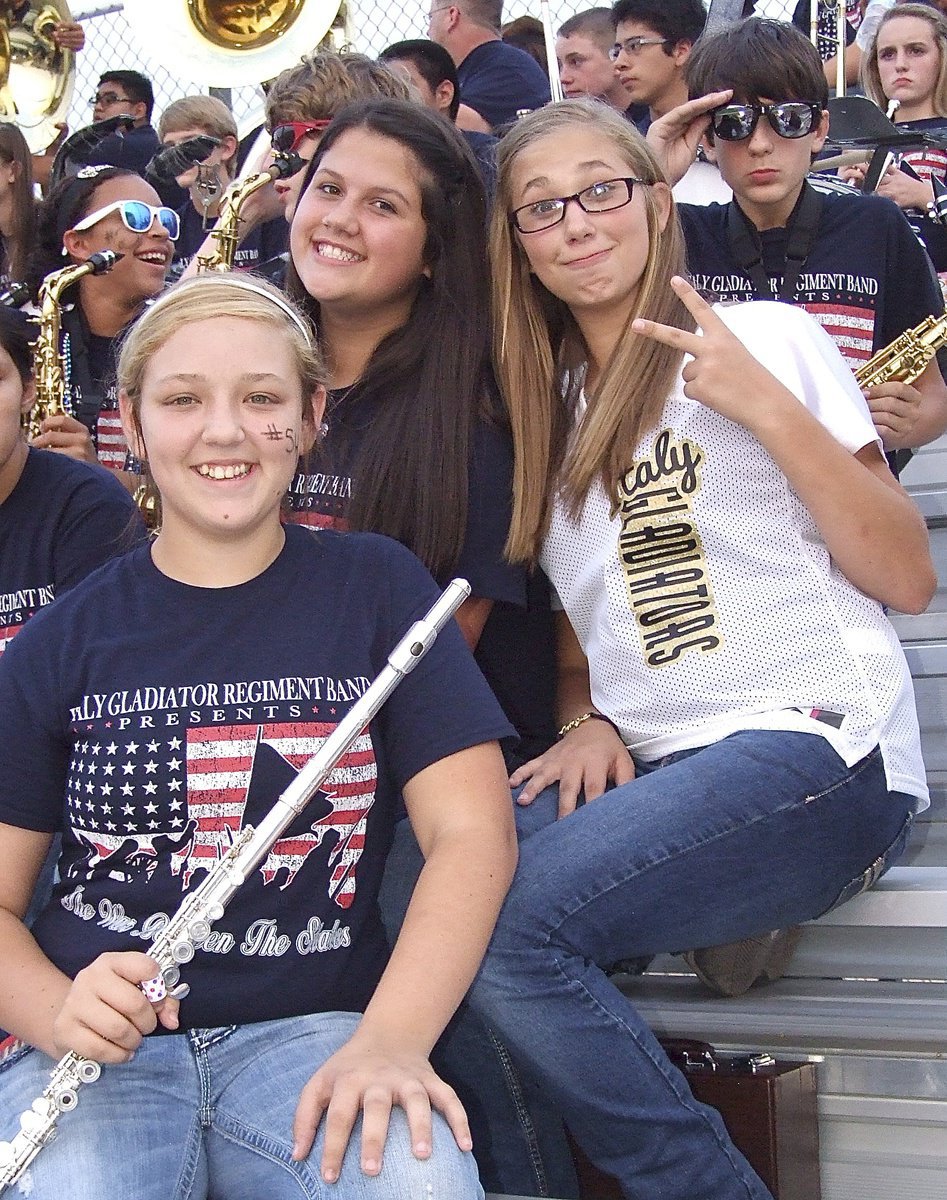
(107, 98)
(634, 45)
(601, 197)
(791, 119)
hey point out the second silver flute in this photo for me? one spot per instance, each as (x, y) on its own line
(190, 926)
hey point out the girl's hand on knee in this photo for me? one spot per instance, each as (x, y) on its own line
(586, 761)
(105, 1014)
(372, 1081)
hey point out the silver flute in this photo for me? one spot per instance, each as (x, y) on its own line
(191, 924)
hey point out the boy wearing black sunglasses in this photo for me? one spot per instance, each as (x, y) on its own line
(851, 260)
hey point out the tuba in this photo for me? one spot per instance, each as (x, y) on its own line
(229, 43)
(36, 76)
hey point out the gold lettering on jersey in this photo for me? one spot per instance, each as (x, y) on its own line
(669, 590)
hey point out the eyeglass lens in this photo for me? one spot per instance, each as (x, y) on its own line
(600, 197)
(138, 216)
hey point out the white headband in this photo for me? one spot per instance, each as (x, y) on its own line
(249, 285)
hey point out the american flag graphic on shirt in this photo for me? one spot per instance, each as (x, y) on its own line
(850, 326)
(182, 799)
(7, 634)
(110, 440)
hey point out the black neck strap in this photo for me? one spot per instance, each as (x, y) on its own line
(747, 248)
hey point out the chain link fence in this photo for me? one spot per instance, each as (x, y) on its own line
(112, 44)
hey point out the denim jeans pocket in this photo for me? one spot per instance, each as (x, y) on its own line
(870, 876)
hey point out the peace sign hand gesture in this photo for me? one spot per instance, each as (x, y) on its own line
(721, 373)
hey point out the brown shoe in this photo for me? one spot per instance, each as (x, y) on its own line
(733, 969)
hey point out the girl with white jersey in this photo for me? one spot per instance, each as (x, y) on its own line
(739, 748)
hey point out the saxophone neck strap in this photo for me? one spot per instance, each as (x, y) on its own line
(746, 246)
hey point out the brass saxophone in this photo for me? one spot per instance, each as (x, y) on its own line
(226, 233)
(48, 368)
(905, 358)
(189, 927)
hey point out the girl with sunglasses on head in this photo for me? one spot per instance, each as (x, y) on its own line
(739, 744)
(852, 261)
(907, 63)
(299, 1059)
(100, 208)
(387, 256)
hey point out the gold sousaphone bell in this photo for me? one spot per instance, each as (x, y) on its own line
(36, 76)
(229, 43)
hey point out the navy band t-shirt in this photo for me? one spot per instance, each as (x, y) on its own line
(151, 721)
(61, 521)
(516, 650)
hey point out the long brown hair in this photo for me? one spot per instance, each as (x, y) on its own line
(541, 355)
(16, 247)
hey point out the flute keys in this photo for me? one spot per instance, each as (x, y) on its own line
(89, 1071)
(182, 952)
(198, 932)
(67, 1099)
(6, 1154)
(33, 1122)
(170, 975)
(215, 912)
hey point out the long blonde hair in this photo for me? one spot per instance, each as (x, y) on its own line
(540, 353)
(871, 76)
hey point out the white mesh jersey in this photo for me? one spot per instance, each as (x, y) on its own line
(709, 603)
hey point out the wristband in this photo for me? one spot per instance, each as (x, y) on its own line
(577, 721)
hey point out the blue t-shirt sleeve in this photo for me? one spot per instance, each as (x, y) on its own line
(500, 79)
(100, 521)
(444, 705)
(34, 751)
(489, 509)
(911, 291)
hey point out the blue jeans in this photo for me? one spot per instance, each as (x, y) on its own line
(759, 831)
(519, 1140)
(209, 1114)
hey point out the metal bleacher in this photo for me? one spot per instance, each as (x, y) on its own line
(866, 992)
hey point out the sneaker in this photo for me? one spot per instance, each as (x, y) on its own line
(733, 969)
